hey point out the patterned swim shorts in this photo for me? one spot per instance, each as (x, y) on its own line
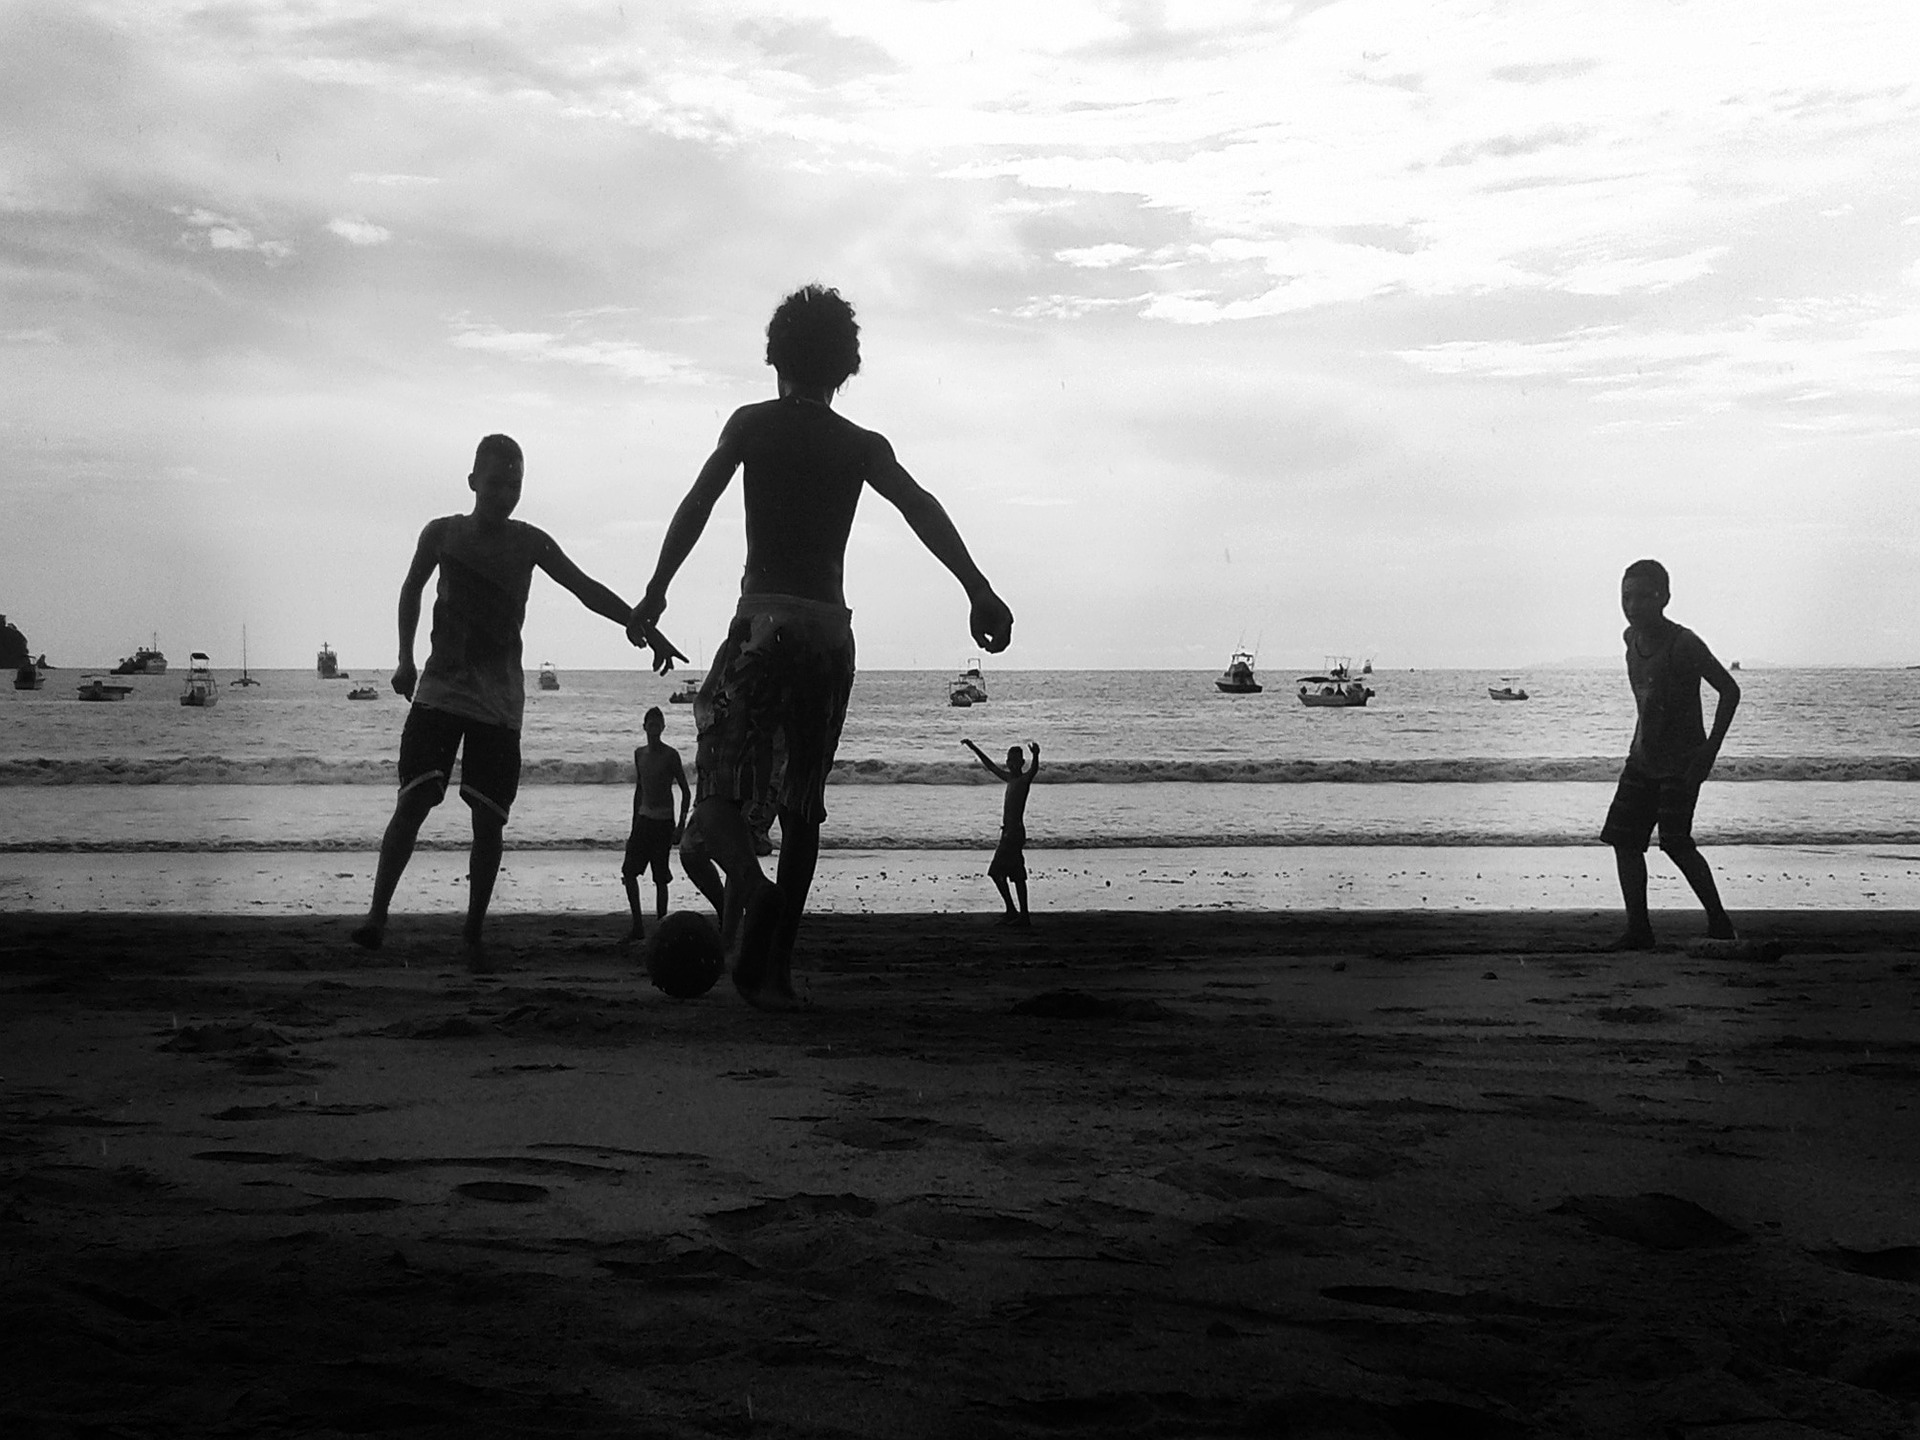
(770, 711)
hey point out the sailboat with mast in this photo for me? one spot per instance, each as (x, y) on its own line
(243, 678)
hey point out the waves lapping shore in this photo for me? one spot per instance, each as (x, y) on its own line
(1479, 769)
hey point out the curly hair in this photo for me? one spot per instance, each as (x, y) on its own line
(813, 338)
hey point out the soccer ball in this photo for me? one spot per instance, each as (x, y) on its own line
(684, 956)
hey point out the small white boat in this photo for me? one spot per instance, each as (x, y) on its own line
(549, 677)
(1505, 691)
(202, 689)
(968, 688)
(688, 692)
(1238, 676)
(1336, 689)
(94, 688)
(363, 692)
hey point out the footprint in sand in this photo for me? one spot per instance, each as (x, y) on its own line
(1657, 1221)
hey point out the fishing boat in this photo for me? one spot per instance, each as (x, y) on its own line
(1505, 691)
(95, 688)
(968, 688)
(688, 692)
(327, 664)
(1238, 679)
(1336, 689)
(549, 677)
(363, 692)
(245, 678)
(144, 661)
(202, 689)
(28, 677)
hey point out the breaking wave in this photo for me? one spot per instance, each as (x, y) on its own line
(317, 770)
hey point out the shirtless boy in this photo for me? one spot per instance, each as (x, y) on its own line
(786, 668)
(656, 771)
(1670, 755)
(472, 693)
(1009, 861)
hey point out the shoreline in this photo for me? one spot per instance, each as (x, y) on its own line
(1347, 1175)
(1488, 879)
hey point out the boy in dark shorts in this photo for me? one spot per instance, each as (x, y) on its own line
(656, 771)
(777, 691)
(1670, 755)
(1009, 861)
(472, 693)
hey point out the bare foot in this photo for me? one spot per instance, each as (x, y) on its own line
(774, 995)
(1722, 930)
(1631, 940)
(635, 936)
(369, 936)
(752, 941)
(479, 962)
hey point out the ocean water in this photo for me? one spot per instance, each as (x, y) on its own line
(1144, 759)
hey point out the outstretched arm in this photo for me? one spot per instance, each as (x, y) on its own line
(426, 555)
(687, 524)
(998, 772)
(1715, 674)
(990, 620)
(599, 599)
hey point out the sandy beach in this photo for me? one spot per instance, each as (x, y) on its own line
(1191, 1174)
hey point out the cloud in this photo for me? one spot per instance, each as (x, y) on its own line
(220, 232)
(1538, 71)
(623, 358)
(1097, 257)
(356, 231)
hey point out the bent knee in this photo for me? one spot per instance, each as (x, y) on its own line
(1679, 845)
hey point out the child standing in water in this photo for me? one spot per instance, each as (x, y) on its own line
(1670, 755)
(1009, 861)
(472, 693)
(786, 669)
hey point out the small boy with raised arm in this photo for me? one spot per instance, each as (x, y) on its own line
(786, 668)
(1670, 755)
(1009, 861)
(472, 693)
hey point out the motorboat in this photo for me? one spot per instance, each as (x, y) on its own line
(28, 677)
(363, 692)
(202, 689)
(968, 688)
(327, 665)
(1337, 688)
(144, 661)
(688, 692)
(95, 688)
(244, 678)
(549, 677)
(1505, 691)
(1238, 676)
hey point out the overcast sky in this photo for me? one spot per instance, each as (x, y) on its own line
(1387, 327)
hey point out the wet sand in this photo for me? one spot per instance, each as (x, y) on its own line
(1415, 1175)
